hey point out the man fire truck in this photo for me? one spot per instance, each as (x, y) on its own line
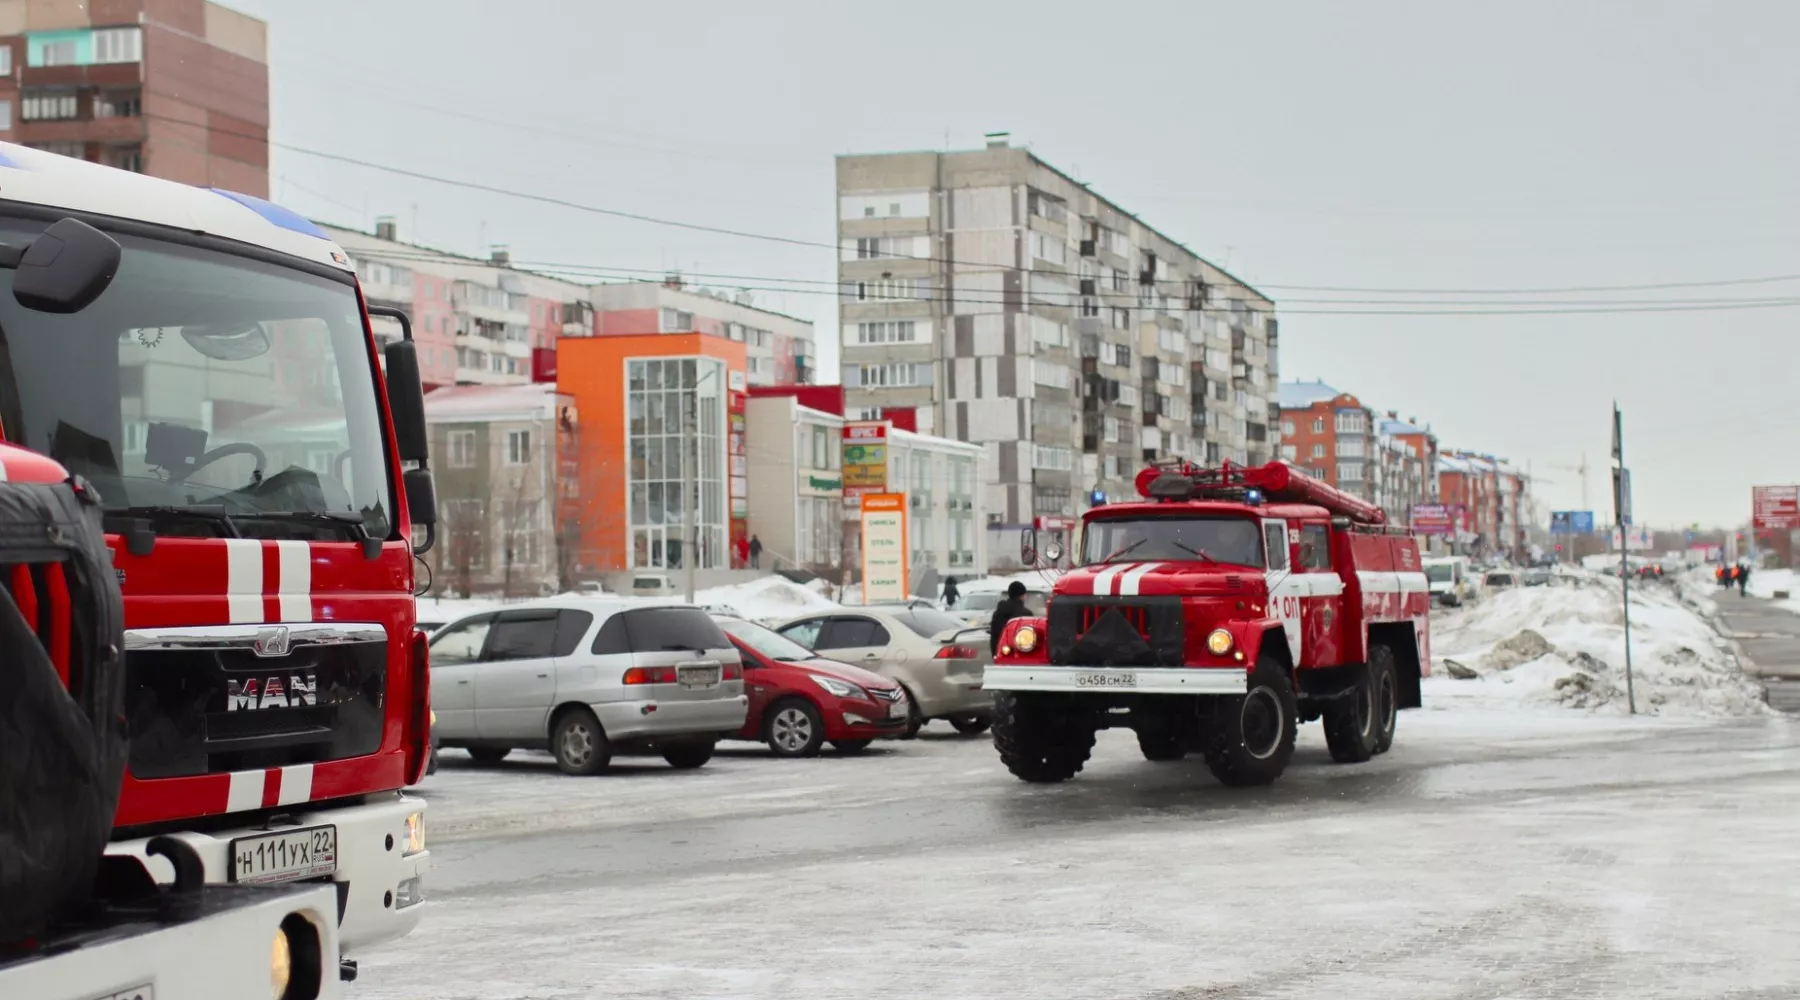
(204, 360)
(1219, 612)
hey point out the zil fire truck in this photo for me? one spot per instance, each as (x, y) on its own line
(1213, 616)
(203, 360)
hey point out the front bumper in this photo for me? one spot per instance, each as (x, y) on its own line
(1118, 680)
(651, 719)
(372, 863)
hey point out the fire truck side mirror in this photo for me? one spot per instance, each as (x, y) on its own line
(421, 505)
(63, 270)
(1028, 547)
(406, 400)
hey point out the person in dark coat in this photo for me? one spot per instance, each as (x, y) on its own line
(951, 594)
(1743, 580)
(755, 552)
(1007, 610)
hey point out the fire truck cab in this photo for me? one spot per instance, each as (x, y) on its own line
(1213, 616)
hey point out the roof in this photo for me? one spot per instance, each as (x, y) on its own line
(1301, 395)
(35, 177)
(1399, 427)
(453, 404)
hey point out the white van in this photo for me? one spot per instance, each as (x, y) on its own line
(1447, 577)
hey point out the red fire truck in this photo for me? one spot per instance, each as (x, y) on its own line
(1213, 616)
(204, 361)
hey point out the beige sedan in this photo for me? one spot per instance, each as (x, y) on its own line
(936, 657)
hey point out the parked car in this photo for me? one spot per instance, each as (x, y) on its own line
(977, 607)
(936, 657)
(585, 677)
(1499, 579)
(1537, 578)
(799, 700)
(1448, 579)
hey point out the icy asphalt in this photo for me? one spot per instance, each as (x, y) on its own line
(1493, 854)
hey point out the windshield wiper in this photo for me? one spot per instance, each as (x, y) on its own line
(1199, 552)
(357, 524)
(1126, 548)
(140, 529)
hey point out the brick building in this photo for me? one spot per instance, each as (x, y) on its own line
(1331, 435)
(177, 89)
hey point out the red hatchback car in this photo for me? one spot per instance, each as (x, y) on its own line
(798, 701)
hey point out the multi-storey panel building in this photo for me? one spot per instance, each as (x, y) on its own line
(1006, 304)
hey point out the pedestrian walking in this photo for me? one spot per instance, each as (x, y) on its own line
(755, 552)
(1743, 581)
(951, 594)
(1012, 607)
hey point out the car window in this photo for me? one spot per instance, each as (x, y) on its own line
(461, 642)
(770, 644)
(612, 640)
(926, 622)
(571, 625)
(805, 633)
(523, 635)
(665, 630)
(853, 632)
(981, 602)
(1275, 541)
(1315, 547)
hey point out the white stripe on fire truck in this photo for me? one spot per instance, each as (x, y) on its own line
(294, 585)
(1128, 583)
(1103, 579)
(247, 788)
(244, 581)
(296, 783)
(2, 472)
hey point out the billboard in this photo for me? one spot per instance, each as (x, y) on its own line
(1434, 519)
(1636, 540)
(884, 547)
(865, 458)
(1571, 522)
(1775, 507)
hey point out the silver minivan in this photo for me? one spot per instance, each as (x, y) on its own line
(585, 676)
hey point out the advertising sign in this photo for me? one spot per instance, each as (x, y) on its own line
(1571, 522)
(884, 547)
(1775, 507)
(865, 458)
(1636, 540)
(1432, 519)
(738, 464)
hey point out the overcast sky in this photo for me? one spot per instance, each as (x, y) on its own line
(1428, 145)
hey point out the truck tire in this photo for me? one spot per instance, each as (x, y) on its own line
(1041, 739)
(1350, 718)
(1159, 745)
(688, 756)
(1252, 736)
(1385, 678)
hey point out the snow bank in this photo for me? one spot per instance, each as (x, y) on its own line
(766, 599)
(1565, 645)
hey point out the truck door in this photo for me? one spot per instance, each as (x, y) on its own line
(1321, 595)
(1284, 599)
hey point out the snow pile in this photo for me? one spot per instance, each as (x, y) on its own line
(771, 599)
(1765, 582)
(1564, 645)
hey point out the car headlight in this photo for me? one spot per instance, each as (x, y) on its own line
(843, 689)
(1025, 639)
(1219, 642)
(415, 833)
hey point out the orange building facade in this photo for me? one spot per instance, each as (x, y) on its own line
(657, 412)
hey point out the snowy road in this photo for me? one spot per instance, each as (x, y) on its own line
(1492, 854)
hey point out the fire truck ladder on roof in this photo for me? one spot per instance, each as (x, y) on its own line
(1174, 479)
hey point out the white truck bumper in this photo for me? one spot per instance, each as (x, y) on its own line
(381, 885)
(1117, 680)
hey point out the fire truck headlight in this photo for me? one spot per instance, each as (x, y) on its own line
(1219, 642)
(1025, 639)
(281, 964)
(415, 833)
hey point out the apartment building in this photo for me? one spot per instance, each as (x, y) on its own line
(1408, 472)
(1495, 501)
(777, 348)
(502, 456)
(1007, 305)
(177, 89)
(1332, 435)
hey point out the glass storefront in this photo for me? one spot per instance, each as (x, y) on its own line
(676, 429)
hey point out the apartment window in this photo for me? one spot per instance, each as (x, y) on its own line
(677, 321)
(48, 107)
(900, 331)
(1121, 355)
(1349, 472)
(1049, 373)
(888, 290)
(1111, 430)
(1350, 447)
(6, 108)
(1318, 425)
(119, 104)
(1121, 317)
(1287, 428)
(518, 447)
(462, 522)
(1048, 332)
(1056, 459)
(891, 375)
(60, 53)
(1289, 452)
(1318, 451)
(1352, 422)
(1128, 395)
(5, 60)
(462, 449)
(1050, 248)
(877, 247)
(116, 45)
(1046, 207)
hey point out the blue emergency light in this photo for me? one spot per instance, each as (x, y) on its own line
(1253, 496)
(1097, 498)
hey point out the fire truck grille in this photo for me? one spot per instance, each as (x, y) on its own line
(1116, 631)
(208, 711)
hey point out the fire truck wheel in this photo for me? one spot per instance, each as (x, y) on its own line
(1350, 719)
(687, 756)
(1252, 736)
(579, 744)
(1386, 681)
(488, 755)
(1041, 739)
(1161, 746)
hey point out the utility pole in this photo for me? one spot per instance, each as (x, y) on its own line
(690, 488)
(1622, 515)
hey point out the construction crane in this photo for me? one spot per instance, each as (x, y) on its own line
(1581, 470)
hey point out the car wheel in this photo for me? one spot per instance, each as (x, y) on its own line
(579, 744)
(848, 747)
(688, 756)
(915, 720)
(971, 725)
(793, 728)
(489, 755)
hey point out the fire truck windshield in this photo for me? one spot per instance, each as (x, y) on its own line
(204, 392)
(1187, 539)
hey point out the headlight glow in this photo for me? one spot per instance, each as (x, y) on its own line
(1025, 639)
(415, 833)
(281, 964)
(1219, 642)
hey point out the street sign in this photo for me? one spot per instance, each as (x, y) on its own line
(1775, 507)
(1622, 496)
(1572, 522)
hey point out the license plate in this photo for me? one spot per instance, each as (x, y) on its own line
(697, 677)
(1106, 679)
(283, 857)
(897, 710)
